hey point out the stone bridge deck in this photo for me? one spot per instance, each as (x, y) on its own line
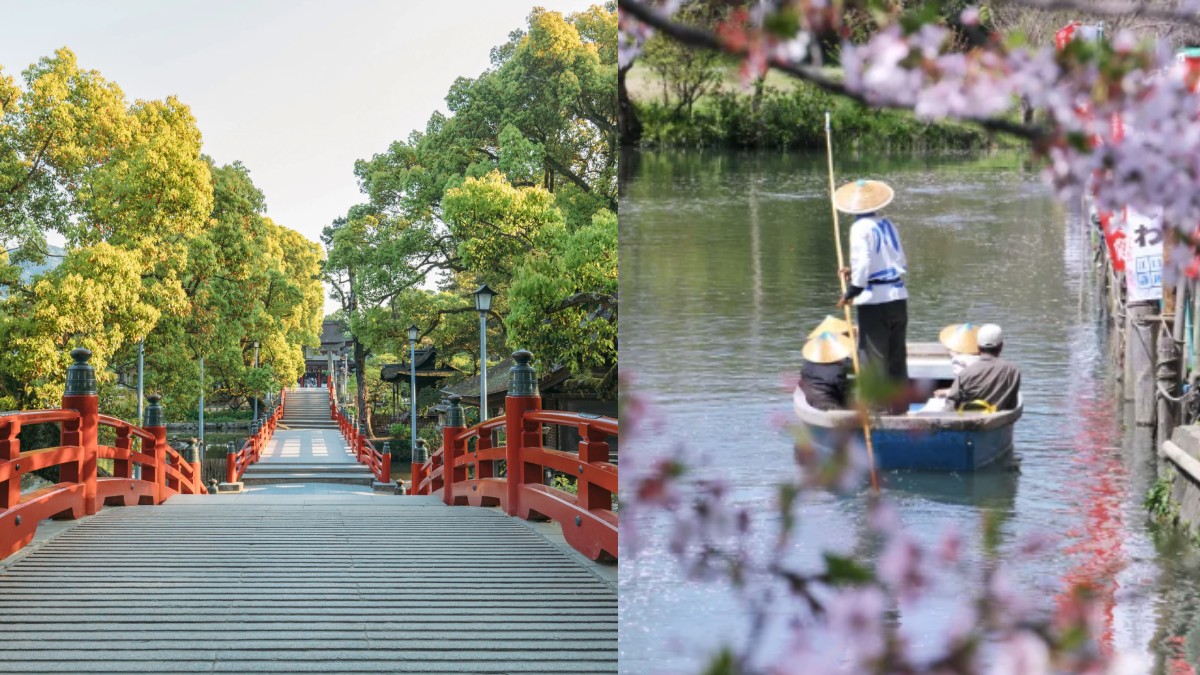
(290, 579)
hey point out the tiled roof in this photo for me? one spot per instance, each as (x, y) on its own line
(497, 381)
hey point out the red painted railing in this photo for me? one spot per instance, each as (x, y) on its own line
(80, 489)
(251, 451)
(364, 450)
(465, 473)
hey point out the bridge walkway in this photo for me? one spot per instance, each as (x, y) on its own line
(332, 580)
(307, 447)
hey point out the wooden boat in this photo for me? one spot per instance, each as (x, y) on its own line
(947, 441)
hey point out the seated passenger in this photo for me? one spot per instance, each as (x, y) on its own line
(823, 373)
(990, 379)
(961, 340)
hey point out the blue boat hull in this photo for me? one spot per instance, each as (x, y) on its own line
(925, 450)
(950, 441)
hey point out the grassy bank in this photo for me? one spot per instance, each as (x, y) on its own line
(790, 115)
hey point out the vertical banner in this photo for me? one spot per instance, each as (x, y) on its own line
(1144, 261)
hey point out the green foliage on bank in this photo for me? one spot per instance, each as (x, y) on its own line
(795, 119)
(1163, 509)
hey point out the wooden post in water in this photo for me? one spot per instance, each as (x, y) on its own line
(1175, 360)
(1141, 338)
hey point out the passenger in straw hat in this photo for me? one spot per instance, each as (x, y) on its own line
(960, 339)
(875, 278)
(823, 373)
(991, 379)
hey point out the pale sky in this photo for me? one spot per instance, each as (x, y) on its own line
(295, 89)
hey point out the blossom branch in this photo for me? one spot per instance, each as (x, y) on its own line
(697, 37)
(1185, 13)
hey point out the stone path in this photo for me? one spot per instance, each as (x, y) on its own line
(304, 578)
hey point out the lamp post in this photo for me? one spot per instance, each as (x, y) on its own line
(201, 424)
(413, 334)
(256, 368)
(141, 369)
(483, 303)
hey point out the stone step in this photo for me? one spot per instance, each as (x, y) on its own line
(272, 467)
(365, 478)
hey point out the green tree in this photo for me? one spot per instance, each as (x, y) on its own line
(526, 158)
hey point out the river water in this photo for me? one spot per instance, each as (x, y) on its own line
(727, 261)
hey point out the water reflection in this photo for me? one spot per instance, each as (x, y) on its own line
(727, 260)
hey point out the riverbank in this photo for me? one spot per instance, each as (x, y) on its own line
(789, 114)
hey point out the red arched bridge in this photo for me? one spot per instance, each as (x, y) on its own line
(282, 579)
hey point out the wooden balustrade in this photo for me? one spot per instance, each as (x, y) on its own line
(80, 490)
(380, 462)
(461, 474)
(236, 462)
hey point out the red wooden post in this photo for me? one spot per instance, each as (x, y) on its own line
(231, 463)
(593, 447)
(194, 452)
(10, 449)
(386, 469)
(123, 468)
(522, 397)
(156, 423)
(419, 458)
(454, 426)
(80, 394)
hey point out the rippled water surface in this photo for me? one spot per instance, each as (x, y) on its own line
(727, 261)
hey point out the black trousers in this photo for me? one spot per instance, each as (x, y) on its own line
(882, 331)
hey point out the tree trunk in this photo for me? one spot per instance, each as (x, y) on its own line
(629, 127)
(360, 364)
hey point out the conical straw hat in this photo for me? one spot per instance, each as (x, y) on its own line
(828, 348)
(961, 338)
(831, 324)
(863, 196)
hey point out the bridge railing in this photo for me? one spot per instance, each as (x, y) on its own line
(466, 470)
(80, 489)
(379, 461)
(237, 461)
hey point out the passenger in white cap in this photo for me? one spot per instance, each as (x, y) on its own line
(990, 379)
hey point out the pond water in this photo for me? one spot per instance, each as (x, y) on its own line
(728, 260)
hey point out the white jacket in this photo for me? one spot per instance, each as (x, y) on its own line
(877, 262)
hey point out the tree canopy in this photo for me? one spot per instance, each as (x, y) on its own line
(515, 188)
(161, 245)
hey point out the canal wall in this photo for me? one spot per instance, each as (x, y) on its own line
(1156, 348)
(1179, 467)
(1175, 344)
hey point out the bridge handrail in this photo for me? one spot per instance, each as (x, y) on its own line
(80, 489)
(250, 452)
(463, 476)
(378, 461)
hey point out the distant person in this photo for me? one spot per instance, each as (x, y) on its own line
(875, 278)
(962, 341)
(990, 379)
(823, 372)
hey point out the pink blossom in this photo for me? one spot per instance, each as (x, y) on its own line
(1124, 41)
(856, 619)
(1035, 543)
(969, 16)
(902, 567)
(951, 546)
(1024, 653)
(1006, 602)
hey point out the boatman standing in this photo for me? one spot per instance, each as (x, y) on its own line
(875, 278)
